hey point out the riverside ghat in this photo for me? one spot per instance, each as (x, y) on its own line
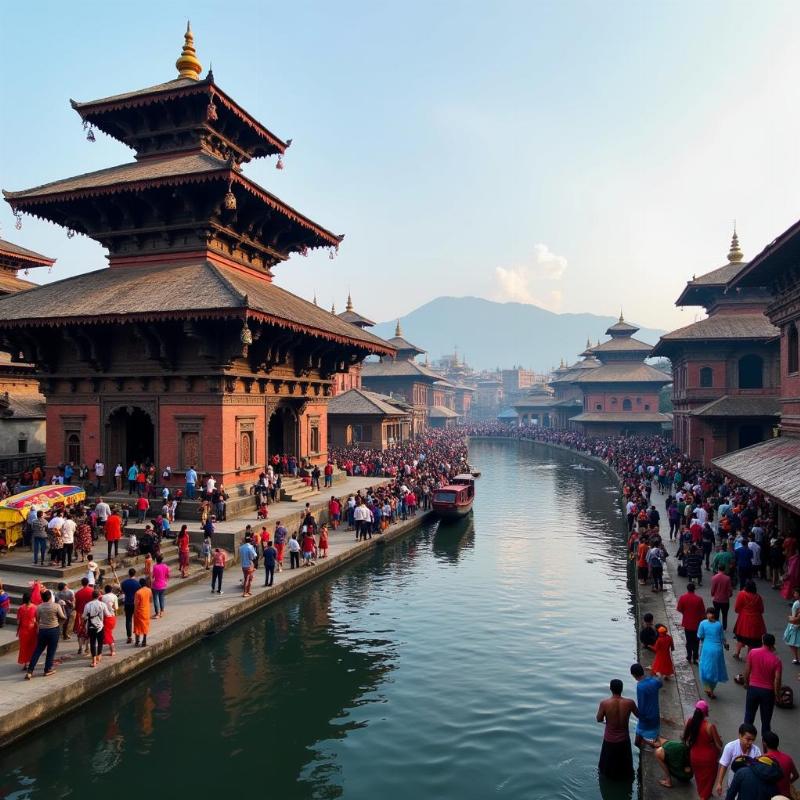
(368, 676)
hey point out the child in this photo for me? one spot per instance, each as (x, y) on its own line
(662, 663)
(5, 605)
(133, 545)
(323, 541)
(148, 569)
(263, 511)
(205, 552)
(648, 634)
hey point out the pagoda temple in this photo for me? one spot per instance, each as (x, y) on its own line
(772, 466)
(621, 394)
(726, 367)
(182, 351)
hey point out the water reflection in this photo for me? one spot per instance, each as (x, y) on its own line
(454, 663)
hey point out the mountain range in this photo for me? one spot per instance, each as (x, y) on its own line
(490, 334)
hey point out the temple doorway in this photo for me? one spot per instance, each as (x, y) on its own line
(282, 432)
(130, 436)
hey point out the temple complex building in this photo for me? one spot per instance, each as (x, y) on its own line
(725, 367)
(344, 381)
(22, 406)
(772, 466)
(182, 351)
(368, 419)
(621, 394)
(402, 377)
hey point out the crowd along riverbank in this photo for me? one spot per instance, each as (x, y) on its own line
(192, 614)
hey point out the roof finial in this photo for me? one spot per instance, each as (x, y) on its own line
(735, 255)
(315, 297)
(588, 342)
(621, 318)
(187, 64)
(397, 331)
(333, 308)
(349, 302)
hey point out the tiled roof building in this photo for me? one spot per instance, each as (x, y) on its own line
(725, 367)
(182, 351)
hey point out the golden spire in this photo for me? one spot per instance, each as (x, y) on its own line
(588, 342)
(349, 302)
(187, 64)
(598, 341)
(621, 318)
(735, 255)
(315, 297)
(397, 331)
(333, 308)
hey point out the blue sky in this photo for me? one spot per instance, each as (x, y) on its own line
(584, 156)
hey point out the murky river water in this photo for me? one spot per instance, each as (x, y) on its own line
(466, 661)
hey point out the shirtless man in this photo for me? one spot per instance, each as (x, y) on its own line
(616, 761)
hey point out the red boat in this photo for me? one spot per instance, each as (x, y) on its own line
(455, 500)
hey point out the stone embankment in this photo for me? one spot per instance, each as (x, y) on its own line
(191, 614)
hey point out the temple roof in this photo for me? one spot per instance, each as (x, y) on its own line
(202, 289)
(631, 417)
(397, 368)
(10, 283)
(621, 328)
(775, 260)
(360, 401)
(740, 406)
(771, 467)
(622, 344)
(703, 289)
(353, 317)
(442, 412)
(630, 372)
(14, 256)
(720, 327)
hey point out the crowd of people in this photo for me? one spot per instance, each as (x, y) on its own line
(730, 534)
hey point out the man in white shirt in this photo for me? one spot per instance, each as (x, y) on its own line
(211, 484)
(103, 511)
(743, 746)
(99, 473)
(68, 528)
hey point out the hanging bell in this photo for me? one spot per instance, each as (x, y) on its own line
(18, 221)
(211, 111)
(70, 233)
(90, 137)
(246, 335)
(331, 254)
(304, 251)
(230, 199)
(279, 164)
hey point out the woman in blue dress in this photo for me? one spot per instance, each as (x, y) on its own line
(712, 656)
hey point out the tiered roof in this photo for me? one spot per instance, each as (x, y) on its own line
(353, 317)
(14, 258)
(405, 350)
(360, 401)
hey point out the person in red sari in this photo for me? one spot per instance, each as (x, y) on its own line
(705, 746)
(36, 591)
(662, 663)
(792, 576)
(27, 631)
(82, 597)
(183, 551)
(750, 625)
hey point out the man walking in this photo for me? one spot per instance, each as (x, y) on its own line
(191, 483)
(218, 560)
(693, 610)
(270, 557)
(616, 760)
(649, 725)
(99, 474)
(721, 593)
(247, 557)
(129, 588)
(762, 677)
(39, 537)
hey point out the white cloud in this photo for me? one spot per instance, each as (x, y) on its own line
(538, 282)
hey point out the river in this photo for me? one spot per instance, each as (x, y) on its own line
(465, 661)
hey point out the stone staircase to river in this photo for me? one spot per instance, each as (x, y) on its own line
(17, 571)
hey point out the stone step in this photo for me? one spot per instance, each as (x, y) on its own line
(196, 573)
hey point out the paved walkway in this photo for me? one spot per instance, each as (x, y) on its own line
(727, 711)
(190, 614)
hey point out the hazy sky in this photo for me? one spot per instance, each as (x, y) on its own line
(579, 155)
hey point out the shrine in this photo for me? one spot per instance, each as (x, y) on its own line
(182, 351)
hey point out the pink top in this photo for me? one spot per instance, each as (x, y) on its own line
(764, 664)
(160, 576)
(721, 589)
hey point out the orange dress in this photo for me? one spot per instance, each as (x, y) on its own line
(27, 632)
(141, 611)
(662, 663)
